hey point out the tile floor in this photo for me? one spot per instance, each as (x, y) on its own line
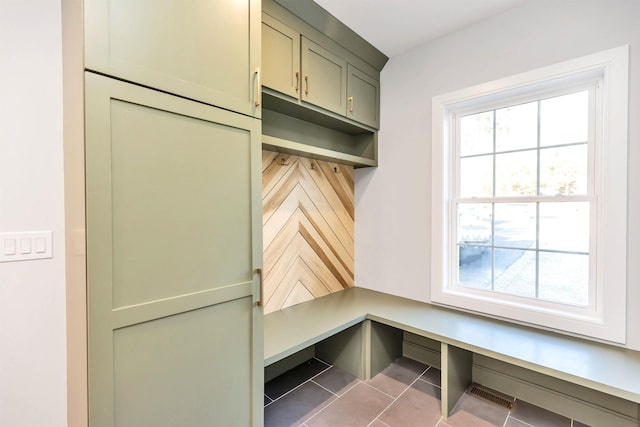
(405, 394)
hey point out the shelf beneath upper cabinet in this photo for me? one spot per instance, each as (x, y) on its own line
(291, 147)
(285, 133)
(275, 101)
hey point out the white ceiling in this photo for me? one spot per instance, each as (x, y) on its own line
(395, 26)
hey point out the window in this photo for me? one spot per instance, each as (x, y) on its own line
(523, 198)
(529, 197)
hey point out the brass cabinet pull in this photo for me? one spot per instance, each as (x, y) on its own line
(350, 99)
(306, 81)
(261, 300)
(297, 81)
(258, 94)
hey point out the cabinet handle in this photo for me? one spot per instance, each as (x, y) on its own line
(297, 81)
(306, 81)
(258, 94)
(261, 300)
(350, 99)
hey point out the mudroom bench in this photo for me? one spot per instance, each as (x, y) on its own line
(362, 331)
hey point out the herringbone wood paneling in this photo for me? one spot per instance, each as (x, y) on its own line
(307, 211)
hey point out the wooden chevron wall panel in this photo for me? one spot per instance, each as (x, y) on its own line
(308, 226)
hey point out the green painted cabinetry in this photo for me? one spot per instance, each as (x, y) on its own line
(280, 57)
(320, 83)
(204, 50)
(173, 212)
(173, 244)
(324, 77)
(363, 97)
(311, 70)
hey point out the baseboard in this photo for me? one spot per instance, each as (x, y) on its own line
(556, 401)
(421, 349)
(421, 354)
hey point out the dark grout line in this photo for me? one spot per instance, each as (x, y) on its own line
(378, 390)
(322, 361)
(429, 382)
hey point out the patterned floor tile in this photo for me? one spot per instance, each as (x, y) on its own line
(336, 380)
(403, 395)
(293, 378)
(418, 406)
(297, 406)
(357, 407)
(398, 376)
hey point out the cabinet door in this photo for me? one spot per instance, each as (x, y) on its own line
(173, 244)
(363, 97)
(280, 57)
(207, 50)
(324, 81)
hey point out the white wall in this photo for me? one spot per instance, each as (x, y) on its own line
(32, 293)
(393, 201)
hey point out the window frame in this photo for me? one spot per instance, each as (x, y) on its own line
(605, 317)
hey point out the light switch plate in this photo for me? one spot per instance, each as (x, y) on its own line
(26, 246)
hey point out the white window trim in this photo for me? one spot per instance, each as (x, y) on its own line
(608, 320)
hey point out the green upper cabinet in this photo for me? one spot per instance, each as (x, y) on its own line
(324, 77)
(363, 97)
(280, 57)
(320, 85)
(208, 51)
(312, 70)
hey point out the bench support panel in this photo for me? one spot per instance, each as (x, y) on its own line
(363, 350)
(345, 350)
(384, 347)
(456, 375)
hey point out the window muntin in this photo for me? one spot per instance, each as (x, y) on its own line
(523, 201)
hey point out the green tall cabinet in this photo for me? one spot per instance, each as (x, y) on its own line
(173, 208)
